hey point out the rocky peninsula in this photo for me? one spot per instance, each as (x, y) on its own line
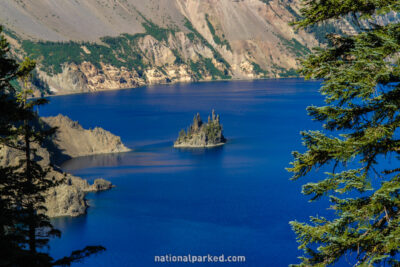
(71, 140)
(201, 134)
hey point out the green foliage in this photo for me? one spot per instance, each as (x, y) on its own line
(196, 68)
(294, 13)
(178, 59)
(213, 131)
(159, 33)
(285, 73)
(162, 70)
(121, 51)
(10, 251)
(191, 36)
(156, 31)
(315, 11)
(322, 30)
(53, 54)
(290, 73)
(210, 67)
(182, 134)
(216, 38)
(38, 83)
(78, 255)
(15, 84)
(190, 27)
(200, 37)
(205, 66)
(258, 70)
(11, 33)
(361, 85)
(117, 51)
(294, 46)
(210, 132)
(24, 228)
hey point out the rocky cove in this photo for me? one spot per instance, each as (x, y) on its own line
(71, 140)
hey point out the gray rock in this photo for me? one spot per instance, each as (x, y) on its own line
(100, 185)
(68, 198)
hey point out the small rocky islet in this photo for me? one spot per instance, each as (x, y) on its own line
(200, 134)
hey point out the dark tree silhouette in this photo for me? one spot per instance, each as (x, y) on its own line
(24, 227)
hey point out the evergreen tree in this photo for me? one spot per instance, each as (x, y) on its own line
(10, 236)
(24, 227)
(360, 81)
(34, 181)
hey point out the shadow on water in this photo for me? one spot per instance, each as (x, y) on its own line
(71, 223)
(102, 160)
(234, 200)
(151, 155)
(213, 155)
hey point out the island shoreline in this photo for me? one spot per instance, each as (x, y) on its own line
(171, 83)
(193, 146)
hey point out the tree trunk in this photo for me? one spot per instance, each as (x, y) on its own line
(31, 217)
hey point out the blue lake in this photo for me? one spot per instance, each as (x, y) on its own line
(231, 200)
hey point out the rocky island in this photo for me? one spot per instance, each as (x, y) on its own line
(202, 134)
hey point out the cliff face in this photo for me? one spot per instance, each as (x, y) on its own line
(90, 45)
(68, 199)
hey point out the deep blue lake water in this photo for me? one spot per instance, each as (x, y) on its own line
(231, 200)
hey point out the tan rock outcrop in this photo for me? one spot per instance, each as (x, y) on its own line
(72, 140)
(68, 198)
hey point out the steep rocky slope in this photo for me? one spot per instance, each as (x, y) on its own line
(72, 140)
(90, 45)
(68, 199)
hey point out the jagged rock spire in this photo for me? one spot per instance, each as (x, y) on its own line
(202, 134)
(197, 122)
